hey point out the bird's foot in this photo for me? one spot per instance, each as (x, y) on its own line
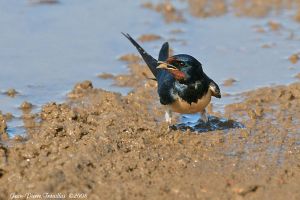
(204, 117)
(168, 117)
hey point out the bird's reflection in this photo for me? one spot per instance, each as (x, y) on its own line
(190, 122)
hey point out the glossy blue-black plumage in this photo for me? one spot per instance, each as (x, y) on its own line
(191, 89)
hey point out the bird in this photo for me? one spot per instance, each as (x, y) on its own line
(182, 85)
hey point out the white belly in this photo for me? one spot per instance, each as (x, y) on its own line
(181, 106)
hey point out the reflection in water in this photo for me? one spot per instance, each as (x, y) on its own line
(215, 123)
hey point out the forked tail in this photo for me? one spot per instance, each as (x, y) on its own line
(149, 60)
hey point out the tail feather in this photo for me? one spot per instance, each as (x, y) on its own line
(150, 61)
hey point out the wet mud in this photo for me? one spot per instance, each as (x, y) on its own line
(168, 11)
(214, 8)
(11, 92)
(229, 82)
(148, 37)
(294, 58)
(110, 146)
(3, 127)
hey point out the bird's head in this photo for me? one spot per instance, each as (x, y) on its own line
(184, 68)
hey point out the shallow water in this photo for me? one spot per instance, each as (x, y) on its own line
(190, 122)
(46, 49)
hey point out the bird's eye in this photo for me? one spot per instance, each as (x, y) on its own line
(181, 64)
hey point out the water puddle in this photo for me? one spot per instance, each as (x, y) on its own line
(190, 122)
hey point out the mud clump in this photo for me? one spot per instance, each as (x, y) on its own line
(18, 138)
(3, 128)
(297, 16)
(267, 46)
(176, 31)
(11, 92)
(259, 29)
(106, 76)
(26, 106)
(9, 116)
(229, 82)
(130, 58)
(149, 37)
(207, 8)
(294, 58)
(80, 89)
(168, 10)
(137, 72)
(274, 26)
(258, 8)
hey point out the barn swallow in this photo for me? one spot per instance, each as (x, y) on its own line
(183, 87)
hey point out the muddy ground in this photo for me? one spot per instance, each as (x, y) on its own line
(109, 146)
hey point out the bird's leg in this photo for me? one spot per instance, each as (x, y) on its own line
(204, 116)
(168, 116)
